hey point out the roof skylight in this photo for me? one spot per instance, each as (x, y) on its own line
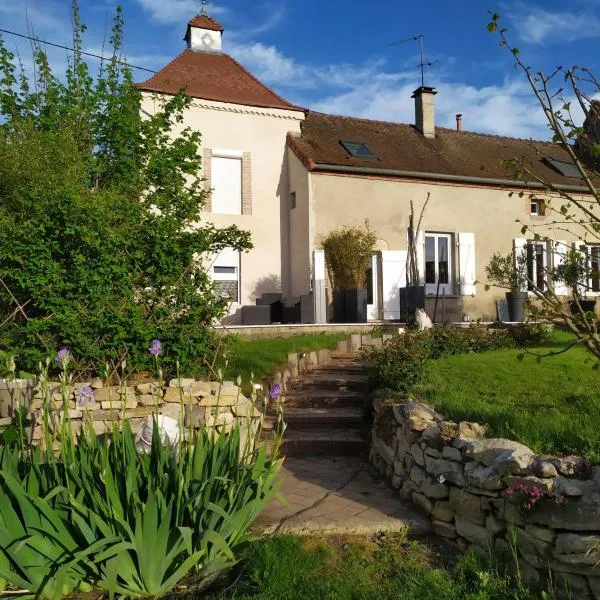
(566, 169)
(357, 149)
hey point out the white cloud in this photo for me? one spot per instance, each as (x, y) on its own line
(537, 25)
(275, 14)
(508, 109)
(370, 91)
(174, 11)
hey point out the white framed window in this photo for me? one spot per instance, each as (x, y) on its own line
(537, 265)
(225, 273)
(536, 208)
(226, 181)
(591, 282)
(438, 263)
(593, 252)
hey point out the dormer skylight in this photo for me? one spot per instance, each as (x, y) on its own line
(566, 169)
(357, 149)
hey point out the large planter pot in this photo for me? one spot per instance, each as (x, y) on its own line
(412, 298)
(586, 306)
(516, 305)
(355, 304)
(339, 306)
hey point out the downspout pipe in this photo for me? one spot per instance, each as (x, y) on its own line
(445, 177)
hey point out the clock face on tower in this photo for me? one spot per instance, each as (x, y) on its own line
(207, 40)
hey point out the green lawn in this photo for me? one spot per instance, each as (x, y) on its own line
(389, 568)
(263, 357)
(553, 405)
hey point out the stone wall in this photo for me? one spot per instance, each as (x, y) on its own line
(195, 404)
(490, 493)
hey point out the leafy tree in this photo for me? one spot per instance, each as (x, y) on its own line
(568, 214)
(101, 240)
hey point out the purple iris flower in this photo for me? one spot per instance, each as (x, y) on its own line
(155, 348)
(275, 391)
(86, 396)
(63, 355)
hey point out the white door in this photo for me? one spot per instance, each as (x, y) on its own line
(372, 289)
(393, 277)
(319, 278)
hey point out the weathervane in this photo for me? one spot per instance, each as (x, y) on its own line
(421, 40)
(203, 11)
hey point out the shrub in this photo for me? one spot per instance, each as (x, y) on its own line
(402, 362)
(531, 333)
(101, 232)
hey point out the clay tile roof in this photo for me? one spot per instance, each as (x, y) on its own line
(214, 76)
(401, 147)
(205, 22)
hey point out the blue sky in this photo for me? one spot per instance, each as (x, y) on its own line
(331, 55)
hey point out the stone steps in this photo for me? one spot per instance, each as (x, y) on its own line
(323, 409)
(335, 380)
(318, 418)
(319, 398)
(330, 442)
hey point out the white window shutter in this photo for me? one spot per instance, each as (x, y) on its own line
(393, 277)
(420, 251)
(560, 249)
(519, 247)
(466, 259)
(226, 176)
(580, 246)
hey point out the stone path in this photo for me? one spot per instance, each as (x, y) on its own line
(326, 479)
(338, 494)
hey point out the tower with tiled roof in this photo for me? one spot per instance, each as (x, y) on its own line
(204, 34)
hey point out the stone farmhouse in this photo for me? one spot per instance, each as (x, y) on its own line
(290, 175)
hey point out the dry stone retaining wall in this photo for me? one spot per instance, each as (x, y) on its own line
(213, 405)
(476, 491)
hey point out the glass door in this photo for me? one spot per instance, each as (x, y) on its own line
(438, 263)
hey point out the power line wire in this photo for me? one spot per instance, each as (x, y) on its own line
(34, 39)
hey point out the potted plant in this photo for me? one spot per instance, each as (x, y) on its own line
(574, 272)
(348, 252)
(509, 271)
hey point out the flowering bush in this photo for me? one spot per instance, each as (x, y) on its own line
(527, 497)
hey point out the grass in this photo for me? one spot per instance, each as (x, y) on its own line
(553, 406)
(263, 357)
(353, 568)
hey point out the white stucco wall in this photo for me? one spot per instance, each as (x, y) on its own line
(262, 133)
(300, 246)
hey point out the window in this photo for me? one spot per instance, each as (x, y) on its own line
(537, 208)
(357, 149)
(438, 263)
(226, 275)
(591, 281)
(226, 179)
(566, 169)
(537, 264)
(293, 200)
(594, 268)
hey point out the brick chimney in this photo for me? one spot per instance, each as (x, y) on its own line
(425, 110)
